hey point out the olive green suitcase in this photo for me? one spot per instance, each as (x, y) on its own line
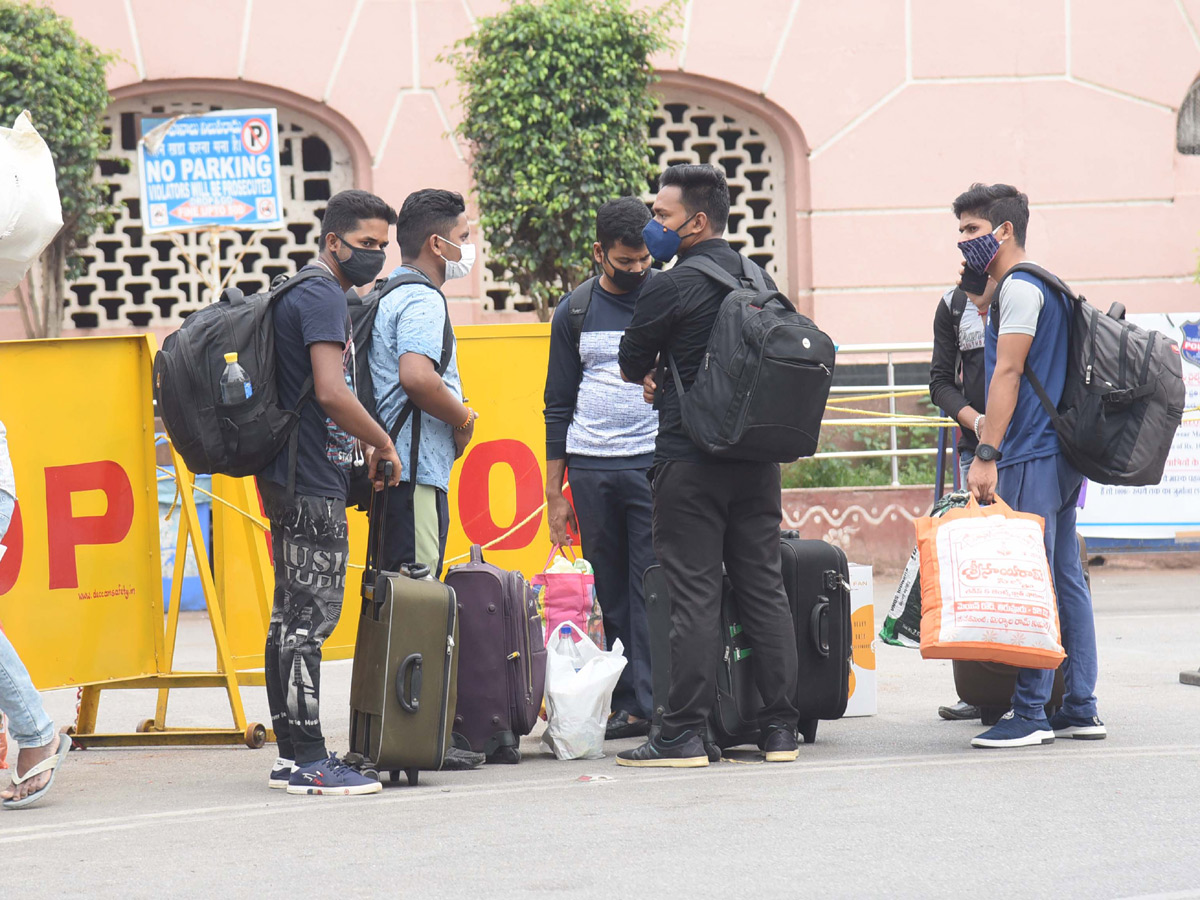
(403, 686)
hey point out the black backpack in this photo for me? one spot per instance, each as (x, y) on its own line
(762, 387)
(236, 439)
(1124, 394)
(362, 321)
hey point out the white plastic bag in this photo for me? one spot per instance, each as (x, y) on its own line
(30, 211)
(578, 702)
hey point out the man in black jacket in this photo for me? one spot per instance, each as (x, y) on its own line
(706, 510)
(956, 386)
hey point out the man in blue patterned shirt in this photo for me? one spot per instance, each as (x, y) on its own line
(414, 358)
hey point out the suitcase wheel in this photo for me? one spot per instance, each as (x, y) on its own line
(412, 775)
(395, 775)
(255, 736)
(808, 730)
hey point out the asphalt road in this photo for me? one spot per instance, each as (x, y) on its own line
(893, 805)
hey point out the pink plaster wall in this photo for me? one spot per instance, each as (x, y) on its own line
(891, 107)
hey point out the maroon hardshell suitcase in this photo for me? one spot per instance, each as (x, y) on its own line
(502, 658)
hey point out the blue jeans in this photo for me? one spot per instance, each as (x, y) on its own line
(966, 456)
(1050, 488)
(28, 722)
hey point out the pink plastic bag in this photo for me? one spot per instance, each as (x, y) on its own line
(569, 597)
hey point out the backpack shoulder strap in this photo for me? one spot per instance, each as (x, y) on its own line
(409, 408)
(1055, 283)
(713, 271)
(754, 272)
(303, 275)
(578, 302)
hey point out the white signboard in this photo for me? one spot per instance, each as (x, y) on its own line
(1171, 509)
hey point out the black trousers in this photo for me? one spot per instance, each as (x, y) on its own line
(310, 546)
(705, 513)
(614, 510)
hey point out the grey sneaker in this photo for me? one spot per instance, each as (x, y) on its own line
(959, 712)
(1078, 727)
(457, 760)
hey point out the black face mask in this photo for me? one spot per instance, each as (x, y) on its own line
(624, 280)
(363, 265)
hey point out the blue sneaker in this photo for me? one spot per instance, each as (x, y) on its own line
(1016, 731)
(281, 773)
(1081, 728)
(331, 776)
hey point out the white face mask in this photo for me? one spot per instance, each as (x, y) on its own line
(459, 268)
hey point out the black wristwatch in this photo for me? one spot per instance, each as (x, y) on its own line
(988, 453)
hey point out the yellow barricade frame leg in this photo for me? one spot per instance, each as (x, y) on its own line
(155, 732)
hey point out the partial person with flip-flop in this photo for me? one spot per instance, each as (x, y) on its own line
(42, 749)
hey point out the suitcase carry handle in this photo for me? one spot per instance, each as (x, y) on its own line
(376, 517)
(477, 553)
(410, 702)
(819, 626)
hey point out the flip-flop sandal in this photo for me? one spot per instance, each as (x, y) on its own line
(51, 765)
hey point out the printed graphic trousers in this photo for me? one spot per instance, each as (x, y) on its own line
(310, 546)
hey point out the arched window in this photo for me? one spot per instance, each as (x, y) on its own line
(131, 279)
(694, 129)
(1187, 130)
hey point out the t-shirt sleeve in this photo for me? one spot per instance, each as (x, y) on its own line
(418, 322)
(323, 312)
(1021, 303)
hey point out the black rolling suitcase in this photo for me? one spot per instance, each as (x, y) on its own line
(402, 689)
(817, 579)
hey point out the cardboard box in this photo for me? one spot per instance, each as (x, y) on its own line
(863, 686)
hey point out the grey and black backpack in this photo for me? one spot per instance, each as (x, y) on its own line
(239, 438)
(765, 378)
(1124, 394)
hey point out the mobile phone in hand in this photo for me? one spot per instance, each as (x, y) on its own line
(974, 281)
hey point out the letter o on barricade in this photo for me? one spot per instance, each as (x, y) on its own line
(474, 497)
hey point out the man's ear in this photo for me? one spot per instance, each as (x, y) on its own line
(598, 254)
(1005, 231)
(701, 222)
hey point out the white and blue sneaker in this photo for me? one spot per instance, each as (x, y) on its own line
(1016, 731)
(1081, 728)
(331, 776)
(281, 772)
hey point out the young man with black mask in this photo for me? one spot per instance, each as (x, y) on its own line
(308, 525)
(410, 336)
(598, 426)
(956, 387)
(706, 510)
(1019, 457)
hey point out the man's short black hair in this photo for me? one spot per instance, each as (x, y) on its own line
(347, 208)
(622, 220)
(998, 203)
(426, 212)
(704, 190)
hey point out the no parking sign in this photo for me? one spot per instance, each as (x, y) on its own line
(217, 170)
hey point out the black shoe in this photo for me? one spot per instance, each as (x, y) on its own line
(780, 744)
(624, 725)
(959, 712)
(457, 760)
(684, 752)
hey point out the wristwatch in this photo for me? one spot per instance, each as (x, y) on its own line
(988, 453)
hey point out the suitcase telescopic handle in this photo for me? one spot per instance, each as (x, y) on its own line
(410, 701)
(819, 626)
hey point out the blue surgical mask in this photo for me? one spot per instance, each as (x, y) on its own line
(661, 241)
(979, 252)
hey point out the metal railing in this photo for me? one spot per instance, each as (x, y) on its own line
(920, 351)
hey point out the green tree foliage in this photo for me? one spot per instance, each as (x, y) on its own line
(46, 68)
(557, 103)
